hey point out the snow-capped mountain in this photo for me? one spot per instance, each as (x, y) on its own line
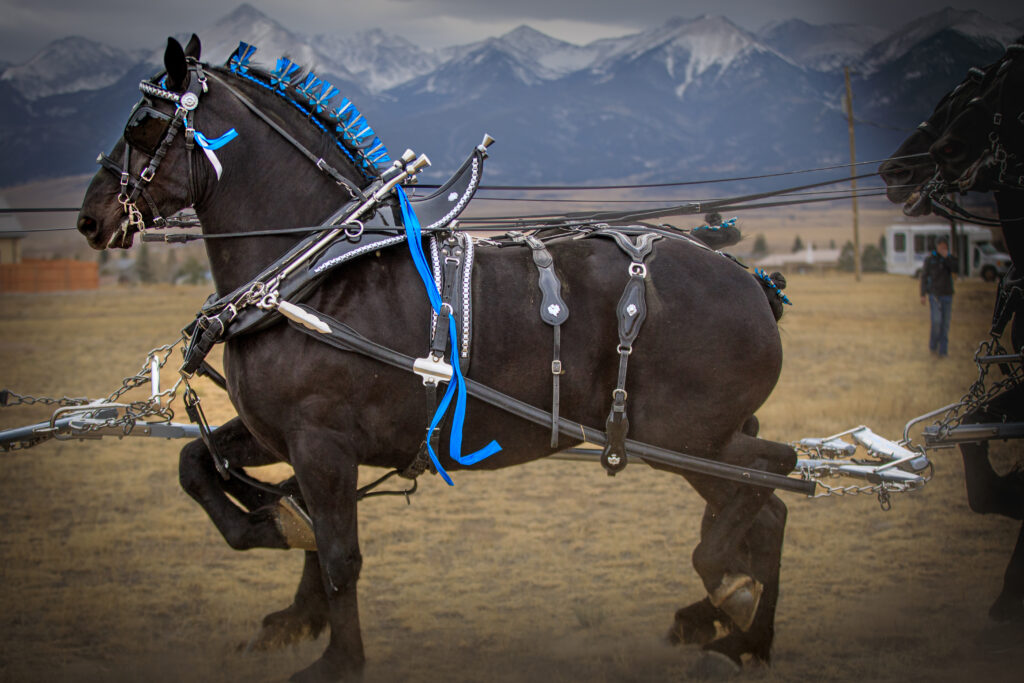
(968, 23)
(687, 50)
(248, 24)
(824, 47)
(689, 97)
(377, 59)
(69, 65)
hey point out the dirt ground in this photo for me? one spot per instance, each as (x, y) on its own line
(550, 571)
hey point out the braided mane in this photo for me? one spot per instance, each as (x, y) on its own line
(323, 105)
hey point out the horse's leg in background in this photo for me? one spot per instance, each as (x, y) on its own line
(306, 617)
(328, 476)
(1009, 606)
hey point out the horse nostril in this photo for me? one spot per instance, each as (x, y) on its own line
(87, 226)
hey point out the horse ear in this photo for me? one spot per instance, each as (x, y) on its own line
(174, 63)
(193, 48)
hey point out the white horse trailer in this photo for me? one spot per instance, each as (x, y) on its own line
(908, 244)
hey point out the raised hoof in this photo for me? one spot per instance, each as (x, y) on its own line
(687, 632)
(714, 666)
(294, 524)
(285, 628)
(1006, 609)
(738, 596)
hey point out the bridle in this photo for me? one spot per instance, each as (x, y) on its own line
(152, 132)
(1009, 165)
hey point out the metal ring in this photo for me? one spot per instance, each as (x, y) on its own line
(637, 269)
(618, 391)
(355, 234)
(628, 350)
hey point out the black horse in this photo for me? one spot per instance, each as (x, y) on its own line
(975, 139)
(708, 357)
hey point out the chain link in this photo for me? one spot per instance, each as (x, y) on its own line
(133, 411)
(979, 395)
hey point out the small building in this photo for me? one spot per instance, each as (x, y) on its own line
(804, 261)
(10, 246)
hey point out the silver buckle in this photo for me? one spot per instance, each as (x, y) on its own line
(433, 370)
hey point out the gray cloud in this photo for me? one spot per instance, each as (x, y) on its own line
(27, 25)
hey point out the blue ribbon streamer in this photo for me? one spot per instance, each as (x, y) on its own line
(217, 142)
(456, 388)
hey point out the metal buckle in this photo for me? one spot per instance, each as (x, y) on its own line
(147, 174)
(556, 367)
(433, 370)
(637, 269)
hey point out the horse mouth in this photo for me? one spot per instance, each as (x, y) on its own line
(918, 204)
(123, 237)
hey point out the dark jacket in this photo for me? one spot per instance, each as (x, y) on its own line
(937, 275)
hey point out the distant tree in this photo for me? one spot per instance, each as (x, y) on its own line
(846, 257)
(760, 245)
(872, 260)
(881, 244)
(831, 244)
(143, 265)
(104, 257)
(798, 245)
(192, 272)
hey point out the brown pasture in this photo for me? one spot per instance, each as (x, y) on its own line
(550, 571)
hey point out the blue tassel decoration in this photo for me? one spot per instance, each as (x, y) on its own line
(763, 277)
(307, 86)
(239, 62)
(281, 76)
(327, 93)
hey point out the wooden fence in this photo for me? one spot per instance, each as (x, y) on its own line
(36, 275)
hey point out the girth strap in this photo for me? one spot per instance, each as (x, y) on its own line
(553, 311)
(631, 313)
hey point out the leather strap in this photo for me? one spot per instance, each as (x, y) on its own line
(553, 311)
(631, 312)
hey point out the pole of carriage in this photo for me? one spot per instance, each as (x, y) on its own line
(853, 174)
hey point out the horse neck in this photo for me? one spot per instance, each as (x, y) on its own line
(1011, 215)
(271, 185)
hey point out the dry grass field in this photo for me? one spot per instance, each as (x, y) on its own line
(551, 571)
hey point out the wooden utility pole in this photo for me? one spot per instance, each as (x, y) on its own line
(853, 175)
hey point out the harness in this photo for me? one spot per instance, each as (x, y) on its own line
(378, 216)
(631, 312)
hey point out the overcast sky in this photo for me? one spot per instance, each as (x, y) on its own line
(28, 25)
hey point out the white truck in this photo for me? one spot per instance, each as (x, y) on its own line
(907, 245)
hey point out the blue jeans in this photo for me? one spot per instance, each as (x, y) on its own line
(942, 308)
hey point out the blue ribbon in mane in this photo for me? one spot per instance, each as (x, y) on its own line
(457, 387)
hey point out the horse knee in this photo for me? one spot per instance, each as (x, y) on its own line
(193, 465)
(341, 568)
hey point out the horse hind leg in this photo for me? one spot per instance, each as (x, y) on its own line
(741, 543)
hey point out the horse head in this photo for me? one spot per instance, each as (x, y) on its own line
(909, 169)
(985, 139)
(147, 174)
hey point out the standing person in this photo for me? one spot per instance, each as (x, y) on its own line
(937, 286)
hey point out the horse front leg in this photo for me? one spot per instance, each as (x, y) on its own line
(329, 479)
(243, 529)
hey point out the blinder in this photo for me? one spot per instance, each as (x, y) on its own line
(147, 127)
